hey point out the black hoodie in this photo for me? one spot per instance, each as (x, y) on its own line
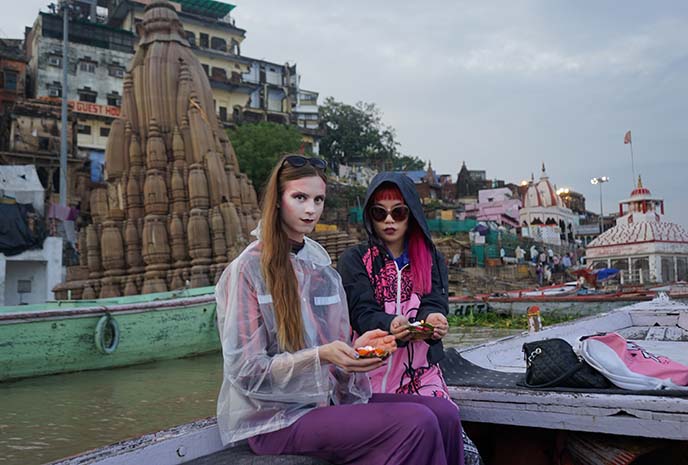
(364, 310)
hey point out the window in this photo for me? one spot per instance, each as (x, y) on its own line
(10, 79)
(116, 71)
(217, 43)
(204, 40)
(87, 95)
(55, 60)
(219, 74)
(206, 69)
(87, 66)
(114, 99)
(23, 286)
(104, 132)
(191, 37)
(55, 89)
(223, 113)
(83, 129)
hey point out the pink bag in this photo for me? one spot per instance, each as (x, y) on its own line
(629, 366)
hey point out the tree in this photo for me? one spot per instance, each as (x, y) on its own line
(357, 134)
(408, 163)
(259, 145)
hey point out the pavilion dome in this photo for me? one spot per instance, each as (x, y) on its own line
(640, 192)
(541, 193)
(645, 231)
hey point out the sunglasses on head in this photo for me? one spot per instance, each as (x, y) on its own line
(379, 213)
(297, 161)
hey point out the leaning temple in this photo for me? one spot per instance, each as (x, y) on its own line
(176, 209)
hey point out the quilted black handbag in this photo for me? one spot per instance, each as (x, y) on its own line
(553, 363)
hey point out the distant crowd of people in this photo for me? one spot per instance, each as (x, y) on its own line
(548, 263)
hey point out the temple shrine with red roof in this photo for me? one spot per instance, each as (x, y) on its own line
(643, 246)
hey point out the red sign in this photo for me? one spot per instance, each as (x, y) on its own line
(95, 109)
(88, 108)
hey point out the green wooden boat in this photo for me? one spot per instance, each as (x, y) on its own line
(65, 336)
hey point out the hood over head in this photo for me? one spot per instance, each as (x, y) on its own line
(408, 192)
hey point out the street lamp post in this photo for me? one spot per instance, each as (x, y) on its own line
(64, 6)
(600, 180)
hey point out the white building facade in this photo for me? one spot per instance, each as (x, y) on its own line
(28, 277)
(643, 246)
(544, 217)
(98, 56)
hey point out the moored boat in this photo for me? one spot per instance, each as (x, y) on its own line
(570, 299)
(67, 336)
(569, 304)
(463, 305)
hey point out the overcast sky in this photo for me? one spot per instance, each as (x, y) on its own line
(502, 85)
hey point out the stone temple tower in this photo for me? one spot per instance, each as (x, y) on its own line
(175, 208)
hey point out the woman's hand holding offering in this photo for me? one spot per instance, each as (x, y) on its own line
(344, 356)
(379, 339)
(399, 328)
(439, 321)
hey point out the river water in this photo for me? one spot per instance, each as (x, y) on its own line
(50, 417)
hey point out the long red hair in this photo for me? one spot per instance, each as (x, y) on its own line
(418, 248)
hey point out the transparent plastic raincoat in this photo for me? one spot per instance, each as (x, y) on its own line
(263, 389)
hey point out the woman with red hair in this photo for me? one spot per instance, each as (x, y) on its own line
(397, 279)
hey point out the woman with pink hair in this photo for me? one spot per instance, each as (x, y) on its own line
(396, 280)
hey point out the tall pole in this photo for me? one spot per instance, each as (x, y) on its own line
(65, 90)
(633, 166)
(601, 214)
(599, 180)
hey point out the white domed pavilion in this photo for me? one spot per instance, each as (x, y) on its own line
(544, 216)
(643, 246)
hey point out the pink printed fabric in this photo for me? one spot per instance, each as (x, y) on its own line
(407, 370)
(632, 359)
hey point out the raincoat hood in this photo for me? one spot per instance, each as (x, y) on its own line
(408, 192)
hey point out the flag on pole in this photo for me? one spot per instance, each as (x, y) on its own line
(627, 138)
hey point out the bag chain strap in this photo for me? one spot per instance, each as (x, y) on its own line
(533, 354)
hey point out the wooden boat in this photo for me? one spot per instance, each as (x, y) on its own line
(569, 300)
(483, 382)
(568, 305)
(569, 288)
(196, 443)
(463, 305)
(66, 336)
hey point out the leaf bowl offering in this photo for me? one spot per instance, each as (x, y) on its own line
(421, 329)
(372, 352)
